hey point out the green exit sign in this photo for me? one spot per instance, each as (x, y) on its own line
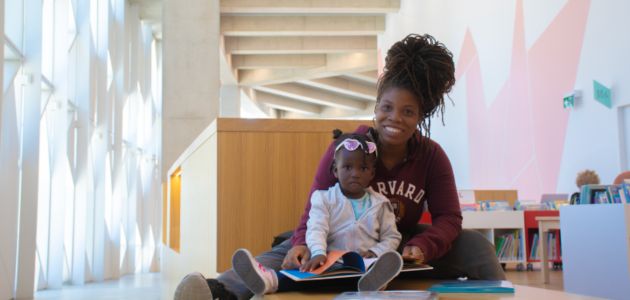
(568, 101)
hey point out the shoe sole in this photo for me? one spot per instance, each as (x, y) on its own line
(243, 264)
(193, 287)
(386, 268)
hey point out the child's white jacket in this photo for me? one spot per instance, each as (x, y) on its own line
(332, 225)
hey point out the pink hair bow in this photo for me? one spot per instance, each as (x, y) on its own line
(353, 144)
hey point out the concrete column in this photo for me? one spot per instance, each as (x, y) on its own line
(230, 104)
(190, 75)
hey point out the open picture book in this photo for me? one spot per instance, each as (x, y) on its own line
(342, 264)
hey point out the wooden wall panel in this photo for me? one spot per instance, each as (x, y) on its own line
(175, 209)
(265, 172)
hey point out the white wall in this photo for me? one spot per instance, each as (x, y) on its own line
(592, 140)
(199, 206)
(591, 136)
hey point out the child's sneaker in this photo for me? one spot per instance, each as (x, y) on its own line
(256, 277)
(193, 287)
(383, 270)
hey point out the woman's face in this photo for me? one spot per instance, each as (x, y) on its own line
(396, 116)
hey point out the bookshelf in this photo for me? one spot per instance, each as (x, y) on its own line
(497, 227)
(533, 240)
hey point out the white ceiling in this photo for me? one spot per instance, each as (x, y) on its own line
(304, 58)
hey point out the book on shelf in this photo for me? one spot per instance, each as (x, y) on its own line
(554, 204)
(605, 194)
(473, 286)
(554, 201)
(534, 253)
(495, 205)
(613, 193)
(343, 264)
(529, 205)
(469, 207)
(553, 250)
(624, 192)
(508, 246)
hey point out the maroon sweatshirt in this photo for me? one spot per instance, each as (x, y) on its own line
(424, 176)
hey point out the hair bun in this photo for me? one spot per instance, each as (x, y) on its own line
(337, 133)
(424, 67)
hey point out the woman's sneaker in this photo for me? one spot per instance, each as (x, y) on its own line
(193, 287)
(256, 277)
(382, 271)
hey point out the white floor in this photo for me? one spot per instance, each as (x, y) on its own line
(139, 286)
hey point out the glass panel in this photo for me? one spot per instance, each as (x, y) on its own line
(11, 69)
(43, 201)
(94, 22)
(13, 21)
(72, 24)
(11, 52)
(47, 38)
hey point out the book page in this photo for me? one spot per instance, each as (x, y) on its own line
(368, 262)
(331, 258)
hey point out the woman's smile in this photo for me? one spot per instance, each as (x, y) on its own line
(392, 130)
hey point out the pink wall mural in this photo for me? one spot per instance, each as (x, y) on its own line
(517, 141)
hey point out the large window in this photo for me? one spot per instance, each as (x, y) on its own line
(80, 148)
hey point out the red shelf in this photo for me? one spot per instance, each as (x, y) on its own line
(531, 228)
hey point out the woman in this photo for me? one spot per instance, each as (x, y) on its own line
(411, 170)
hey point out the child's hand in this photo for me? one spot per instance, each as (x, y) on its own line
(296, 257)
(368, 254)
(314, 263)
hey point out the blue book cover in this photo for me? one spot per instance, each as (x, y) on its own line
(534, 250)
(473, 286)
(585, 194)
(341, 264)
(625, 189)
(338, 264)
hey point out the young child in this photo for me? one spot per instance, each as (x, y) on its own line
(348, 216)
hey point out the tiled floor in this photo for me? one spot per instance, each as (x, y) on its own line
(151, 286)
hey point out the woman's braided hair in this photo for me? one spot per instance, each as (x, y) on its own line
(424, 67)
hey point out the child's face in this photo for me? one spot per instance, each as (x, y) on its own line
(354, 170)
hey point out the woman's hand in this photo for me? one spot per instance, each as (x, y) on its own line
(314, 263)
(413, 253)
(296, 257)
